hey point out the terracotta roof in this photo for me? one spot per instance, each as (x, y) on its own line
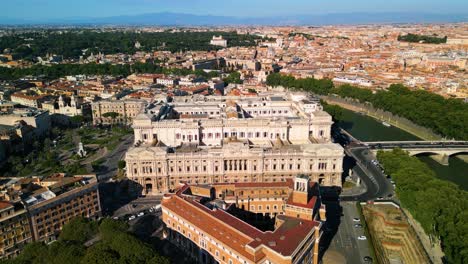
(288, 183)
(237, 234)
(309, 205)
(5, 204)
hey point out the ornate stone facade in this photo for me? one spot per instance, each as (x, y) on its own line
(229, 139)
(160, 169)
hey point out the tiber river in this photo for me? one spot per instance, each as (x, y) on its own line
(367, 128)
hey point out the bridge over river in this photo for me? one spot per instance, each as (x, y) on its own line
(438, 150)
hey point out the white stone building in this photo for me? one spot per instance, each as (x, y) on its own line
(218, 41)
(167, 81)
(233, 139)
(160, 169)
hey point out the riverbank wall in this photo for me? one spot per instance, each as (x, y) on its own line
(384, 116)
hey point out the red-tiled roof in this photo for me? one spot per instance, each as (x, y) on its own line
(287, 183)
(310, 204)
(236, 233)
(4, 205)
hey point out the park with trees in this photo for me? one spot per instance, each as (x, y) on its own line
(56, 71)
(57, 152)
(415, 38)
(71, 44)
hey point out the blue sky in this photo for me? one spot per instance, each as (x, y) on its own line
(37, 9)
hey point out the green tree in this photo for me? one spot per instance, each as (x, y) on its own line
(78, 119)
(100, 253)
(233, 77)
(65, 252)
(112, 115)
(79, 230)
(121, 164)
(420, 192)
(447, 117)
(34, 253)
(334, 110)
(117, 245)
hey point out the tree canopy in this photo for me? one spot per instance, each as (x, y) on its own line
(116, 245)
(78, 230)
(441, 207)
(60, 70)
(112, 115)
(447, 117)
(72, 44)
(233, 77)
(422, 38)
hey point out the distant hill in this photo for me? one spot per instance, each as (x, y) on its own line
(179, 19)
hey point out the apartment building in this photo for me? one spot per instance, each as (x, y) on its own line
(27, 100)
(15, 230)
(36, 209)
(37, 120)
(125, 111)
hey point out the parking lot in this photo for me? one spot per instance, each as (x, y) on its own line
(138, 208)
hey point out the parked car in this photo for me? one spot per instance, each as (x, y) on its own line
(362, 238)
(358, 225)
(356, 219)
(131, 218)
(141, 214)
(367, 259)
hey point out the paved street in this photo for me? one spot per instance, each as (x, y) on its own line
(376, 182)
(345, 240)
(341, 234)
(109, 167)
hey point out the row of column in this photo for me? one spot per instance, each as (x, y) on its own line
(235, 165)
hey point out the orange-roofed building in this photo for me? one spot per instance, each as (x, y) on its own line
(215, 228)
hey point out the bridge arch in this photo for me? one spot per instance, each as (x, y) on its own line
(462, 152)
(448, 153)
(422, 153)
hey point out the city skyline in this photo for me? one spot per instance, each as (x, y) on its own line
(53, 10)
(233, 132)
